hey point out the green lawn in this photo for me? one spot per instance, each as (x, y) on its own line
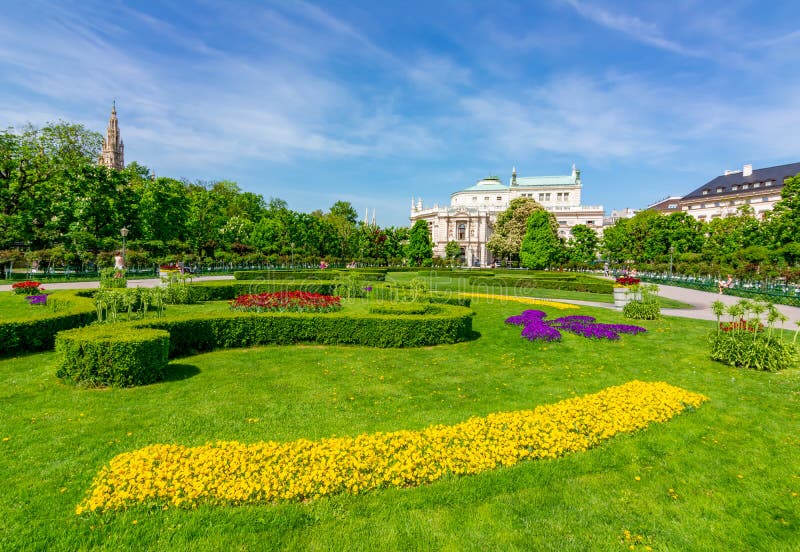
(15, 306)
(733, 466)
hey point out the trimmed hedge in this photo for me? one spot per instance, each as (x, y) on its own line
(21, 334)
(227, 290)
(115, 355)
(321, 275)
(546, 283)
(190, 334)
(403, 308)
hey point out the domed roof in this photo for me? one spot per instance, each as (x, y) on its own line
(489, 184)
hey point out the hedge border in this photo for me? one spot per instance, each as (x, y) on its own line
(313, 275)
(545, 283)
(190, 334)
(108, 355)
(24, 335)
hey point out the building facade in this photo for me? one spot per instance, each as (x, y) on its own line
(113, 152)
(760, 189)
(472, 213)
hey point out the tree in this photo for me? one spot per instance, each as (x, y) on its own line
(342, 216)
(453, 252)
(540, 247)
(420, 245)
(783, 222)
(583, 244)
(510, 228)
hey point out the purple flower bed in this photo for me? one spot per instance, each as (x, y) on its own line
(37, 299)
(535, 327)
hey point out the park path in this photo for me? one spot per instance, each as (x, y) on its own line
(699, 300)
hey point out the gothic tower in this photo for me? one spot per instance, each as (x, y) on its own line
(113, 155)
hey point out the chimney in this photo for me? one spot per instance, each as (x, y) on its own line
(748, 170)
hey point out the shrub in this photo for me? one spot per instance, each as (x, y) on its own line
(570, 284)
(627, 281)
(112, 355)
(23, 334)
(403, 308)
(113, 278)
(646, 308)
(189, 334)
(746, 342)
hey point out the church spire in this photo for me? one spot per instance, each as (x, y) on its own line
(113, 154)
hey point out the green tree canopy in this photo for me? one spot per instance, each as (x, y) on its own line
(510, 228)
(540, 246)
(420, 245)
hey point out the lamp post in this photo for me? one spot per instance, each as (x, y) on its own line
(292, 265)
(124, 232)
(671, 251)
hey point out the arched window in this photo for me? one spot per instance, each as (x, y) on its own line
(462, 231)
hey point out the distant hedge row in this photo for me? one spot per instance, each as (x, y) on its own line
(546, 283)
(101, 357)
(322, 275)
(23, 334)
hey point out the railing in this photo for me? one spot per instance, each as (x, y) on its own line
(775, 291)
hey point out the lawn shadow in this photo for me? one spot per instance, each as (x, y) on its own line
(177, 372)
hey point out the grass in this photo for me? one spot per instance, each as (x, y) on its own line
(14, 306)
(732, 465)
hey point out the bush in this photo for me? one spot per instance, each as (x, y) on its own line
(112, 355)
(227, 290)
(22, 334)
(640, 310)
(403, 308)
(189, 334)
(570, 284)
(746, 342)
(757, 351)
(113, 278)
(646, 308)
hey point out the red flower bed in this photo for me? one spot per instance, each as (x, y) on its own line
(27, 287)
(293, 301)
(628, 281)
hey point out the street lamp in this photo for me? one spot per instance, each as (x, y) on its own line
(124, 232)
(292, 265)
(671, 251)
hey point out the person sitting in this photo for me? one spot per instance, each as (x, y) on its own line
(726, 284)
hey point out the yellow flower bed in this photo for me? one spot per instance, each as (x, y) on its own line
(526, 300)
(228, 472)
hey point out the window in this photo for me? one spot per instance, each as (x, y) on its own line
(756, 184)
(462, 231)
(474, 199)
(541, 197)
(566, 196)
(720, 189)
(672, 206)
(499, 198)
(768, 183)
(559, 196)
(562, 222)
(734, 187)
(486, 198)
(705, 192)
(589, 223)
(547, 197)
(745, 186)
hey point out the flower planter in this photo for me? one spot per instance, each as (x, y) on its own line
(624, 295)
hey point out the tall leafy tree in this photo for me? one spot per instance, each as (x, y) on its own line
(583, 244)
(510, 228)
(783, 223)
(540, 247)
(420, 246)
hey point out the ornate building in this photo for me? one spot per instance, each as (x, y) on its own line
(113, 153)
(472, 212)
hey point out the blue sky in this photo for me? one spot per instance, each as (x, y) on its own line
(376, 102)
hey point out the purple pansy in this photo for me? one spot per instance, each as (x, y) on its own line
(37, 299)
(535, 327)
